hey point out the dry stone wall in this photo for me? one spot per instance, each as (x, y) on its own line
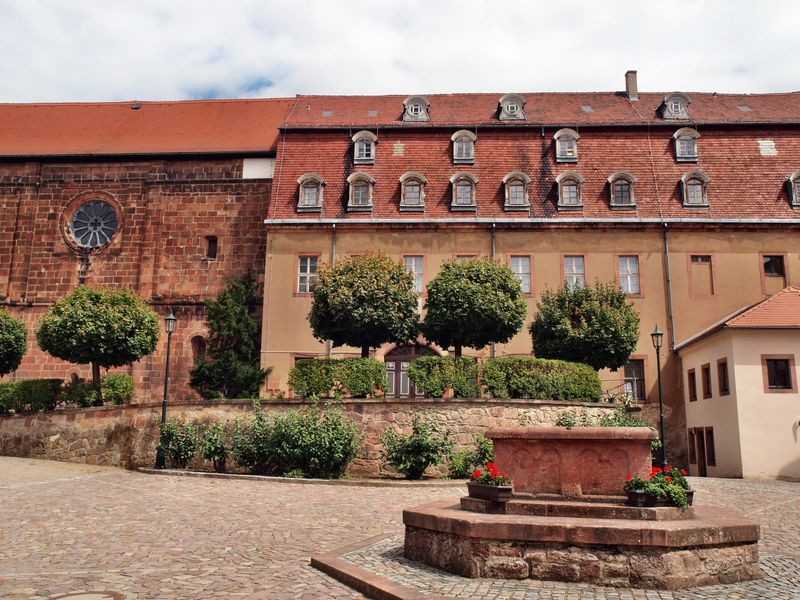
(127, 436)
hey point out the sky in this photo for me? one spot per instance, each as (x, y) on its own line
(113, 50)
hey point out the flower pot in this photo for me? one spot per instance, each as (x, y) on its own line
(495, 493)
(638, 498)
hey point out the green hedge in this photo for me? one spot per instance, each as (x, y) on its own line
(8, 399)
(433, 375)
(540, 378)
(30, 395)
(323, 378)
(117, 389)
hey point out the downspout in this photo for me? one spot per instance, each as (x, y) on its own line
(328, 344)
(668, 282)
(493, 347)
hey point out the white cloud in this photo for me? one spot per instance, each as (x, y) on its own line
(51, 50)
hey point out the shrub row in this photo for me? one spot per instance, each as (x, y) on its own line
(325, 378)
(34, 395)
(433, 375)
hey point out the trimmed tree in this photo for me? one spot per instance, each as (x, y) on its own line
(231, 368)
(101, 327)
(593, 325)
(364, 301)
(473, 303)
(13, 342)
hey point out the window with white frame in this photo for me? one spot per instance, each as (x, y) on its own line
(521, 268)
(310, 190)
(566, 145)
(414, 266)
(695, 189)
(415, 108)
(463, 192)
(306, 273)
(675, 106)
(412, 192)
(361, 186)
(629, 274)
(364, 147)
(464, 146)
(793, 187)
(511, 107)
(621, 188)
(569, 190)
(574, 272)
(686, 144)
(516, 191)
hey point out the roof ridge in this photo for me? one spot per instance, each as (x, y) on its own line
(144, 102)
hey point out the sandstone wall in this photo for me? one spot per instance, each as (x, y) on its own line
(127, 435)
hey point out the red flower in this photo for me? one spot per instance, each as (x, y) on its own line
(628, 478)
(683, 471)
(669, 479)
(656, 470)
(667, 468)
(490, 466)
(476, 474)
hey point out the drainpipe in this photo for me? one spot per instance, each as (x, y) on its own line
(493, 350)
(328, 344)
(668, 282)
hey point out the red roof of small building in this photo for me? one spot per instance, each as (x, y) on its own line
(781, 310)
(116, 128)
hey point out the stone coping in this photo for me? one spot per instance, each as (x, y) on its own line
(711, 526)
(575, 433)
(574, 508)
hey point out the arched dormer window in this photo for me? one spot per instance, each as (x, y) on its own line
(569, 191)
(463, 192)
(464, 147)
(310, 188)
(694, 191)
(360, 198)
(511, 107)
(620, 189)
(412, 192)
(566, 145)
(675, 106)
(516, 191)
(793, 187)
(364, 147)
(686, 144)
(415, 109)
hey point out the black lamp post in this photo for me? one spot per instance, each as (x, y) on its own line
(169, 324)
(658, 339)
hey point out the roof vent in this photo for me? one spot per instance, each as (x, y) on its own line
(631, 86)
(136, 106)
(744, 108)
(587, 108)
(372, 113)
(327, 113)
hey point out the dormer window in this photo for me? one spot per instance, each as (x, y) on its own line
(412, 192)
(566, 145)
(511, 106)
(463, 192)
(364, 147)
(694, 190)
(620, 186)
(310, 190)
(686, 144)
(361, 185)
(415, 108)
(464, 147)
(569, 191)
(675, 106)
(793, 185)
(516, 191)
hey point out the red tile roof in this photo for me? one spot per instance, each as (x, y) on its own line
(781, 310)
(575, 109)
(155, 128)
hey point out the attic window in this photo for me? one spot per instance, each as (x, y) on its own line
(364, 147)
(516, 191)
(415, 108)
(569, 191)
(694, 190)
(793, 187)
(310, 188)
(621, 190)
(361, 186)
(566, 145)
(675, 106)
(463, 198)
(412, 192)
(686, 144)
(464, 147)
(511, 107)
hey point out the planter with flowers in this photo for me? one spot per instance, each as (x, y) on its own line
(663, 487)
(490, 484)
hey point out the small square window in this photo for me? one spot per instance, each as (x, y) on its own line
(361, 194)
(773, 266)
(622, 192)
(516, 193)
(415, 109)
(687, 147)
(569, 193)
(779, 376)
(694, 192)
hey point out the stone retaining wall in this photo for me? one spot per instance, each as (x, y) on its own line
(127, 435)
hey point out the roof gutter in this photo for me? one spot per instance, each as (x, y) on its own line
(530, 221)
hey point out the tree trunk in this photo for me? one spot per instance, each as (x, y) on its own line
(96, 382)
(458, 350)
(364, 351)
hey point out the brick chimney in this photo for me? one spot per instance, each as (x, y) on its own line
(631, 86)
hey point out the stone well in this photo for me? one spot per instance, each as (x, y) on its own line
(567, 520)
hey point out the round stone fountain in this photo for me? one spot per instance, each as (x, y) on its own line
(567, 519)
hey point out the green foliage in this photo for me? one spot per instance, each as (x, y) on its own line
(104, 327)
(592, 325)
(214, 447)
(8, 396)
(231, 367)
(251, 440)
(464, 462)
(473, 303)
(319, 377)
(566, 419)
(117, 388)
(621, 418)
(81, 393)
(179, 441)
(667, 483)
(432, 375)
(426, 445)
(509, 377)
(364, 301)
(13, 342)
(34, 395)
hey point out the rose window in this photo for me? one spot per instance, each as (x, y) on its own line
(93, 224)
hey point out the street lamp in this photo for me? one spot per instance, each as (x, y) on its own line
(169, 324)
(658, 339)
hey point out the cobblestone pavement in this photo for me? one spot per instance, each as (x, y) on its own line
(67, 529)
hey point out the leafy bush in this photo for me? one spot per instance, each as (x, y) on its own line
(117, 388)
(433, 375)
(411, 454)
(464, 462)
(37, 394)
(251, 442)
(621, 418)
(213, 447)
(318, 443)
(510, 377)
(13, 342)
(179, 441)
(319, 377)
(8, 396)
(81, 393)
